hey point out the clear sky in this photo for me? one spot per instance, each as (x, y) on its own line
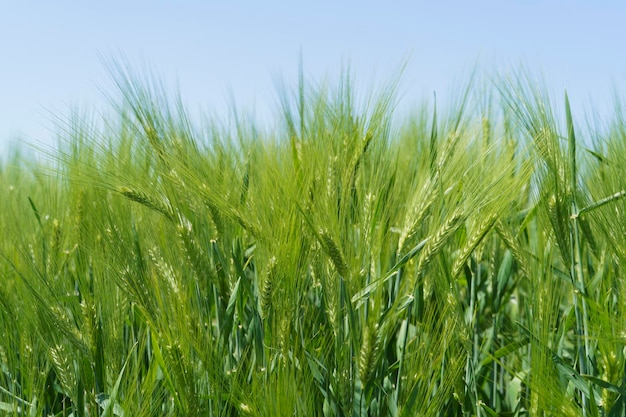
(51, 51)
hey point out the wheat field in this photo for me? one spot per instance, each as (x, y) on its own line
(465, 261)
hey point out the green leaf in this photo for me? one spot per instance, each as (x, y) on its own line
(571, 375)
(35, 211)
(490, 412)
(505, 350)
(360, 296)
(112, 400)
(604, 384)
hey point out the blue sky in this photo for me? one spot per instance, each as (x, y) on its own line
(51, 52)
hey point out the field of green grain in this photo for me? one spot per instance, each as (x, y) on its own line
(460, 261)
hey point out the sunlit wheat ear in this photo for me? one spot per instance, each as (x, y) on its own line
(198, 258)
(193, 250)
(284, 335)
(472, 243)
(557, 213)
(435, 244)
(515, 248)
(147, 201)
(427, 198)
(216, 217)
(61, 359)
(166, 273)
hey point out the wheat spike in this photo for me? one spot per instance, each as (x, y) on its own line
(512, 244)
(267, 288)
(333, 251)
(368, 357)
(147, 201)
(435, 244)
(557, 213)
(63, 368)
(472, 243)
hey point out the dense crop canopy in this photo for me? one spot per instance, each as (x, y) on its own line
(344, 263)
